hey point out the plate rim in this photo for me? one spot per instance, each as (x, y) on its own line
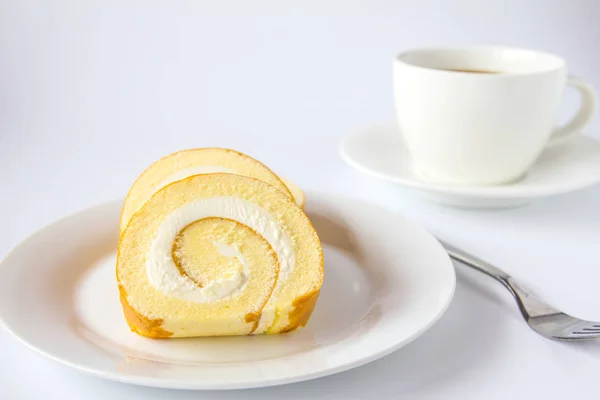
(240, 384)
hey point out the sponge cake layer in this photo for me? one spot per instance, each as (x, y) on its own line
(218, 254)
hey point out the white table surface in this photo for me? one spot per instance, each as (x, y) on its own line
(92, 92)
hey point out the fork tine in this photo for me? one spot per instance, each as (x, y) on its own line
(586, 329)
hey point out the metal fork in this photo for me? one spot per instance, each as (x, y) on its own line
(545, 320)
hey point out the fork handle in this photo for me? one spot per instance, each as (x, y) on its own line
(476, 263)
(529, 305)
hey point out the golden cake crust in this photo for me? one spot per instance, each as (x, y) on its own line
(303, 308)
(150, 328)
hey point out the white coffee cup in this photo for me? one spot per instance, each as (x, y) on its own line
(482, 128)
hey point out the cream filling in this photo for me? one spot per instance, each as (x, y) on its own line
(164, 275)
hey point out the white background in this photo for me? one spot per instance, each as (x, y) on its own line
(91, 92)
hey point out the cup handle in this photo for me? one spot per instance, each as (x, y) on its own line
(586, 111)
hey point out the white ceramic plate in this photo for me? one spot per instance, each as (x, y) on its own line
(381, 152)
(387, 281)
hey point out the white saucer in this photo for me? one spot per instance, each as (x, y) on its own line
(380, 151)
(386, 282)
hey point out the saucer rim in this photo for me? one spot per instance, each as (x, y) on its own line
(518, 189)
